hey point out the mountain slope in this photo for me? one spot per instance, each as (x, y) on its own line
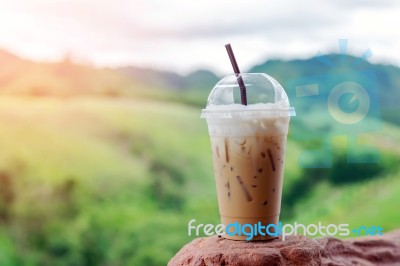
(64, 79)
(387, 77)
(200, 79)
(68, 79)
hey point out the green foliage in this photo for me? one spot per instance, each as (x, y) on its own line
(339, 174)
(93, 182)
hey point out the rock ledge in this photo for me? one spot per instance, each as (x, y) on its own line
(295, 250)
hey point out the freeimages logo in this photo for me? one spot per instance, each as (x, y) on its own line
(342, 103)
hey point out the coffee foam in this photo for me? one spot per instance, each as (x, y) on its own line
(248, 126)
(248, 120)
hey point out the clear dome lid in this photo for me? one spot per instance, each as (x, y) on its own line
(265, 97)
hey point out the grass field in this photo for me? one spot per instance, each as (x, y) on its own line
(120, 165)
(114, 181)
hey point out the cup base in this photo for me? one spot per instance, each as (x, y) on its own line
(240, 221)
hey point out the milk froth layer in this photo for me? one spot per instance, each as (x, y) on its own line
(251, 120)
(248, 127)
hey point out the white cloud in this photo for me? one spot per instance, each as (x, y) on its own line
(183, 35)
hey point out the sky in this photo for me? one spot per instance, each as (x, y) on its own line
(183, 36)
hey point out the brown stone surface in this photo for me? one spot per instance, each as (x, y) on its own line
(295, 250)
(377, 250)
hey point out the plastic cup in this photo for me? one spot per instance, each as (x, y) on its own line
(248, 149)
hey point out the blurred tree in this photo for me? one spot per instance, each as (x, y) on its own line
(6, 196)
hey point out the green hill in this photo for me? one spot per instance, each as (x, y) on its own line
(64, 79)
(89, 177)
(387, 77)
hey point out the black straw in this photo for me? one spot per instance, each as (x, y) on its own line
(243, 96)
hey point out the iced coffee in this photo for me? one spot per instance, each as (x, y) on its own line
(248, 149)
